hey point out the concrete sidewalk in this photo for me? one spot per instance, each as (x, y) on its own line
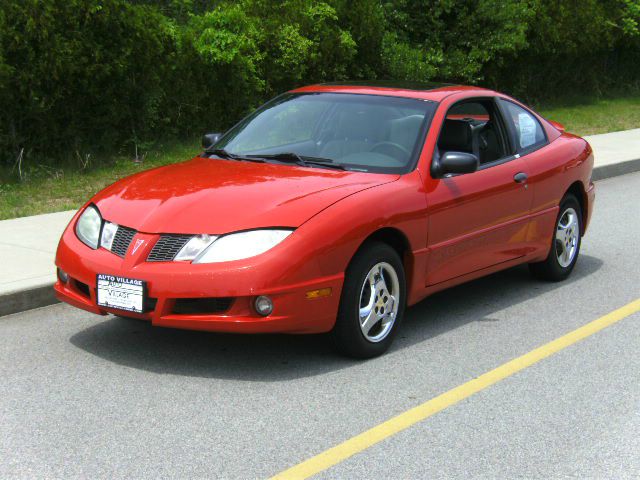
(27, 249)
(615, 153)
(28, 244)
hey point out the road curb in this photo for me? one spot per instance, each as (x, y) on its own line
(28, 299)
(43, 296)
(616, 169)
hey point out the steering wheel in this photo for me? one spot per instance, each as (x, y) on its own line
(391, 149)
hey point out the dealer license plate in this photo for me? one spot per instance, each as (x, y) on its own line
(121, 293)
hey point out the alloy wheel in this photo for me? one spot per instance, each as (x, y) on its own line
(567, 237)
(379, 301)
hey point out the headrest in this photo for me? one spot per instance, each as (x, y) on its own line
(455, 136)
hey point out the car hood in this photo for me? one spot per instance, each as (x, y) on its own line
(220, 196)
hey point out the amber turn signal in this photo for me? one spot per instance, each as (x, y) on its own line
(323, 292)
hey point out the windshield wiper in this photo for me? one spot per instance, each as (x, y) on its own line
(304, 160)
(222, 153)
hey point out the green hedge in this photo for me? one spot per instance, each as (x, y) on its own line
(81, 77)
(82, 74)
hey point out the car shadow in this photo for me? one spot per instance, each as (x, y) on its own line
(476, 301)
(137, 344)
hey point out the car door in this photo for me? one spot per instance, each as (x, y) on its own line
(480, 219)
(545, 169)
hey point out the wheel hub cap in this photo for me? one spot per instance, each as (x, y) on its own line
(379, 302)
(567, 237)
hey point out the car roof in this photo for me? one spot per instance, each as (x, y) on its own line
(424, 91)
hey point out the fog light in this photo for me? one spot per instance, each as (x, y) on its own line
(62, 276)
(264, 305)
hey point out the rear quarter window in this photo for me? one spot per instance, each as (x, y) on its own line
(528, 131)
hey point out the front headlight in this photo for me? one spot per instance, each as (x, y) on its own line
(194, 247)
(237, 246)
(88, 227)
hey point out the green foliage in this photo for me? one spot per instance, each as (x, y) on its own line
(302, 42)
(573, 46)
(220, 66)
(630, 17)
(405, 62)
(366, 23)
(453, 39)
(83, 74)
(78, 77)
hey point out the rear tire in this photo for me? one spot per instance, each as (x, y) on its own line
(372, 303)
(565, 243)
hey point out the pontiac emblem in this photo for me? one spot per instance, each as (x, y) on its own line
(137, 245)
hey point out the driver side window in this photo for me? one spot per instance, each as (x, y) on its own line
(474, 126)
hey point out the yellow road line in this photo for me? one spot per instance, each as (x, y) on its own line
(361, 442)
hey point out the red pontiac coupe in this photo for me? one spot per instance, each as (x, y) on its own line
(330, 209)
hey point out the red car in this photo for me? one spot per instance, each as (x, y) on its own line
(330, 209)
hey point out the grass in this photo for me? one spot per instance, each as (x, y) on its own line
(590, 117)
(44, 189)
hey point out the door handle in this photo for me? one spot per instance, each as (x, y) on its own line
(520, 177)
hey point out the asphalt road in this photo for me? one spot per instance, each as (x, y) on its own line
(83, 396)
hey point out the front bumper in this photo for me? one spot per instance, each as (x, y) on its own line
(274, 274)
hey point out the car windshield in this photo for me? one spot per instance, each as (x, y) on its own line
(371, 133)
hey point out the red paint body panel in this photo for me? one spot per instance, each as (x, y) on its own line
(221, 196)
(436, 94)
(476, 221)
(285, 273)
(454, 229)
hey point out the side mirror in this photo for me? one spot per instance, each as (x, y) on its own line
(455, 162)
(210, 139)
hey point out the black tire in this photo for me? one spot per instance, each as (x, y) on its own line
(551, 269)
(347, 335)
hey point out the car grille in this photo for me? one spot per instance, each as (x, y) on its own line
(167, 247)
(202, 306)
(122, 240)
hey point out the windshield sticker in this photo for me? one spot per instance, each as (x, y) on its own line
(527, 127)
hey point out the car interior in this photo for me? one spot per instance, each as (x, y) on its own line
(382, 137)
(528, 131)
(376, 133)
(373, 133)
(474, 127)
(388, 137)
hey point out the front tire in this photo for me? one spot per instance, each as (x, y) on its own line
(565, 244)
(372, 303)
